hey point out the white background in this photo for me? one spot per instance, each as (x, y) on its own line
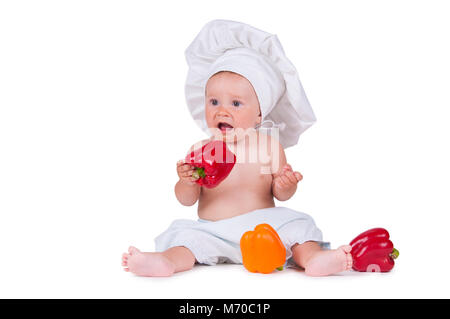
(93, 120)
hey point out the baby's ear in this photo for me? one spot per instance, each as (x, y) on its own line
(258, 120)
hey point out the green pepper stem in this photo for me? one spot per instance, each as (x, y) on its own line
(199, 173)
(280, 268)
(395, 253)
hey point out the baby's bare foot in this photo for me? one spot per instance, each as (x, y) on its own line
(147, 264)
(328, 262)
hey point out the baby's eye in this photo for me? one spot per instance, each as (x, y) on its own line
(213, 101)
(236, 103)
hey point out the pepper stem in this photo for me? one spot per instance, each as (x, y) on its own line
(199, 173)
(280, 268)
(395, 253)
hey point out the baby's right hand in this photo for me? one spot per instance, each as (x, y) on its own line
(185, 171)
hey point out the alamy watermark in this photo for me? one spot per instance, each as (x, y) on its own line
(251, 146)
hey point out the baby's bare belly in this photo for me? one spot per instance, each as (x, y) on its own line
(236, 196)
(232, 204)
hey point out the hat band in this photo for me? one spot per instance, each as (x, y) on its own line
(266, 80)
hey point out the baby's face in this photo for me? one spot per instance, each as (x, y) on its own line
(231, 102)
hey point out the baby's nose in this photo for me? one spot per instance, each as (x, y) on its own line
(222, 112)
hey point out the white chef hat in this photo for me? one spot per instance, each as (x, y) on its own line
(224, 45)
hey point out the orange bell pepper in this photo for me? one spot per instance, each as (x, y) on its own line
(262, 250)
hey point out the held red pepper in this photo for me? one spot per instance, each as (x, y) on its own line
(372, 251)
(213, 162)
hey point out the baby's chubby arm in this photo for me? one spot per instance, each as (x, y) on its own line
(284, 182)
(187, 190)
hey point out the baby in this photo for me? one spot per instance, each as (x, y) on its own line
(233, 107)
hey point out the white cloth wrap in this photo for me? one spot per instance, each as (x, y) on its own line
(214, 242)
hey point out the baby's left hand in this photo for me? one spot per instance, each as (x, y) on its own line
(287, 178)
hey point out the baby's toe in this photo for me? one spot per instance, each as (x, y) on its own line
(346, 248)
(133, 250)
(349, 261)
(125, 259)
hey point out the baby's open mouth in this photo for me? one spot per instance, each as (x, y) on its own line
(224, 126)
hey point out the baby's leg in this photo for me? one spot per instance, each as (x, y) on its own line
(158, 264)
(318, 262)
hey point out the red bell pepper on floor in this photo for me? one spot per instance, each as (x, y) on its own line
(372, 251)
(213, 162)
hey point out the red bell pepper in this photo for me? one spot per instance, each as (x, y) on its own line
(372, 251)
(213, 162)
